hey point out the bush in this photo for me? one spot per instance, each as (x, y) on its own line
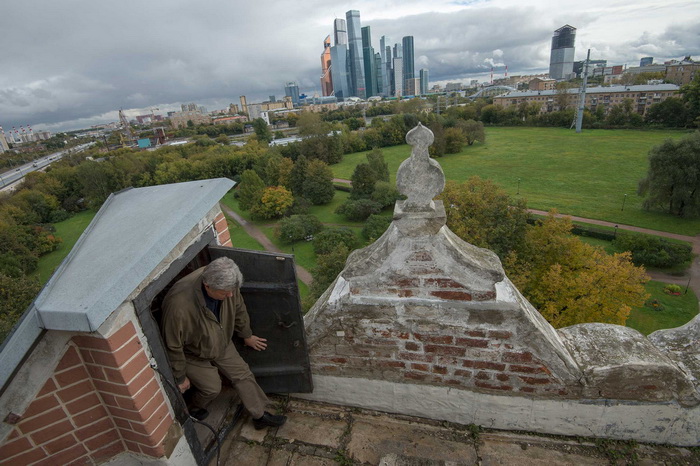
(375, 226)
(329, 240)
(672, 289)
(298, 227)
(385, 194)
(652, 251)
(358, 210)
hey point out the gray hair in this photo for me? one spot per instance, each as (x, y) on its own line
(222, 274)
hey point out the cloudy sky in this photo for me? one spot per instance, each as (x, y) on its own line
(69, 64)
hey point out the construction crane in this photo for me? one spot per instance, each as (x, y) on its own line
(126, 137)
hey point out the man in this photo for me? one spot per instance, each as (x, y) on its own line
(201, 312)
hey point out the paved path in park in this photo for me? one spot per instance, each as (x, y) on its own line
(260, 237)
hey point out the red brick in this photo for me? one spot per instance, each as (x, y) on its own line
(103, 425)
(527, 389)
(404, 282)
(490, 386)
(96, 372)
(416, 357)
(445, 350)
(156, 452)
(112, 388)
(439, 370)
(49, 433)
(129, 371)
(399, 364)
(415, 376)
(39, 422)
(130, 389)
(151, 406)
(412, 346)
(154, 421)
(109, 400)
(81, 404)
(481, 375)
(500, 334)
(132, 446)
(28, 458)
(71, 376)
(475, 333)
(403, 335)
(14, 434)
(131, 415)
(85, 342)
(107, 452)
(116, 359)
(472, 342)
(437, 339)
(49, 386)
(517, 357)
(425, 270)
(60, 444)
(526, 369)
(534, 380)
(452, 295)
(75, 391)
(404, 293)
(151, 440)
(496, 366)
(453, 382)
(90, 416)
(84, 461)
(123, 423)
(70, 358)
(420, 367)
(443, 283)
(462, 373)
(102, 439)
(378, 341)
(421, 256)
(64, 457)
(502, 377)
(40, 405)
(15, 447)
(121, 336)
(484, 295)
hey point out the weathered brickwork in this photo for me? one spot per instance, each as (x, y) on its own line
(101, 399)
(479, 359)
(222, 232)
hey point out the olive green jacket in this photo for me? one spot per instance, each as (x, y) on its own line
(190, 328)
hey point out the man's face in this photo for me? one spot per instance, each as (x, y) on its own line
(217, 294)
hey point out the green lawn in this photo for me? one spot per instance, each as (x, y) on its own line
(586, 174)
(678, 310)
(69, 231)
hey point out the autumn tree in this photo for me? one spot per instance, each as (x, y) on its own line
(473, 131)
(673, 178)
(571, 282)
(262, 130)
(274, 202)
(454, 140)
(16, 294)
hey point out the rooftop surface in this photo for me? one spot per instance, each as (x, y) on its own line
(321, 434)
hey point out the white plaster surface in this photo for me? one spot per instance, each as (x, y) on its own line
(181, 456)
(647, 422)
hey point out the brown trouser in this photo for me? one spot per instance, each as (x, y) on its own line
(204, 376)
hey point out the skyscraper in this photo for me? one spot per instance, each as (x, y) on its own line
(291, 89)
(561, 61)
(370, 68)
(340, 72)
(340, 32)
(424, 81)
(326, 77)
(398, 76)
(408, 61)
(385, 52)
(356, 60)
(646, 61)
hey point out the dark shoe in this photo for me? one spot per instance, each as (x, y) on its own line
(269, 420)
(199, 414)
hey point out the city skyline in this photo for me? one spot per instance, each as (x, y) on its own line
(72, 68)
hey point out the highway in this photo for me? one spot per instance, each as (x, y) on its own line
(8, 178)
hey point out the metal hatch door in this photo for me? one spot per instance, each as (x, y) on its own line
(271, 296)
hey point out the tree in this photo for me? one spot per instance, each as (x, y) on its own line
(318, 184)
(691, 97)
(328, 240)
(378, 165)
(251, 190)
(375, 226)
(275, 202)
(262, 130)
(363, 180)
(673, 178)
(473, 130)
(483, 214)
(328, 266)
(561, 97)
(311, 124)
(358, 210)
(298, 175)
(16, 294)
(454, 140)
(671, 112)
(298, 227)
(571, 282)
(222, 139)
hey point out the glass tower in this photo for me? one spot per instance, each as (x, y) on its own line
(561, 61)
(424, 81)
(356, 62)
(408, 61)
(370, 67)
(385, 52)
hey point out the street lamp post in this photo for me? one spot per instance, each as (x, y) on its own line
(518, 186)
(623, 202)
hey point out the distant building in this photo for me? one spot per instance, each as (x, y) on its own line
(646, 61)
(229, 119)
(291, 89)
(272, 98)
(355, 55)
(181, 119)
(244, 104)
(385, 54)
(3, 142)
(541, 84)
(409, 71)
(424, 81)
(191, 107)
(233, 109)
(561, 61)
(412, 86)
(451, 87)
(642, 96)
(369, 63)
(326, 76)
(578, 66)
(398, 76)
(682, 72)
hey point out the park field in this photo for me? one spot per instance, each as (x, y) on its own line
(590, 174)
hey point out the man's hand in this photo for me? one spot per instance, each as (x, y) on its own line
(256, 343)
(184, 386)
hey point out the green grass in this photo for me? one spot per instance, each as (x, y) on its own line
(69, 231)
(678, 310)
(586, 174)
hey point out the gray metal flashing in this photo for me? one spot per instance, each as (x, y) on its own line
(18, 345)
(132, 233)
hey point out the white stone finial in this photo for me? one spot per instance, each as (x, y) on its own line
(419, 177)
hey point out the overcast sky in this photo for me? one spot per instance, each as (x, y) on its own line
(69, 64)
